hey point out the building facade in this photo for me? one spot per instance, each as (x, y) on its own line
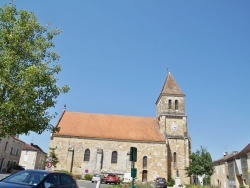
(32, 157)
(233, 170)
(88, 143)
(10, 151)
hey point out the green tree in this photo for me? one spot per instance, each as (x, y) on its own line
(28, 69)
(52, 155)
(201, 163)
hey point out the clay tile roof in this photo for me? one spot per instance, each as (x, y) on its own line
(226, 157)
(29, 147)
(107, 126)
(241, 153)
(171, 87)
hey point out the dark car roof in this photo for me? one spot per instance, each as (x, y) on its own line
(42, 171)
(45, 171)
(7, 185)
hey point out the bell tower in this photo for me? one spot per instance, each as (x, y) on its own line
(172, 119)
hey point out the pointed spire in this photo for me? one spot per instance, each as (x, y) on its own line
(170, 86)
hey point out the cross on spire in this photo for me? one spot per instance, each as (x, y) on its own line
(168, 70)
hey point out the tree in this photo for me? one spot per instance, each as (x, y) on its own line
(53, 157)
(201, 163)
(28, 69)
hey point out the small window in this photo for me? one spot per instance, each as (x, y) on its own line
(169, 104)
(175, 160)
(176, 104)
(114, 157)
(86, 155)
(5, 148)
(145, 161)
(12, 150)
(17, 152)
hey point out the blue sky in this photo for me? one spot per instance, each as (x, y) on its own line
(115, 55)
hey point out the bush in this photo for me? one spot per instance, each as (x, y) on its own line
(170, 182)
(64, 171)
(88, 177)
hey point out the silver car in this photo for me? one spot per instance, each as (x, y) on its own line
(98, 177)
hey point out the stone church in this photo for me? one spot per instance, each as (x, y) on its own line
(89, 142)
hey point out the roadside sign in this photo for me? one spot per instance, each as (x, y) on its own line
(49, 159)
(133, 172)
(49, 164)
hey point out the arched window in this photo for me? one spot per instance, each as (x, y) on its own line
(86, 155)
(145, 161)
(114, 157)
(175, 160)
(176, 104)
(169, 104)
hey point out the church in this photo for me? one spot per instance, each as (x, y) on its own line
(88, 143)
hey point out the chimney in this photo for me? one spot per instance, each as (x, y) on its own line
(225, 154)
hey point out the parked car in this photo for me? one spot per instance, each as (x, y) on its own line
(112, 178)
(127, 177)
(98, 177)
(38, 178)
(160, 182)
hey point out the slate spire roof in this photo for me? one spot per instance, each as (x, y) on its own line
(170, 86)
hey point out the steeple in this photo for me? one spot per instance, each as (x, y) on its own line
(172, 121)
(171, 98)
(170, 86)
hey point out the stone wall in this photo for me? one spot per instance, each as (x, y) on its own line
(156, 154)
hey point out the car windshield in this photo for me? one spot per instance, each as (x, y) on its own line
(26, 178)
(161, 179)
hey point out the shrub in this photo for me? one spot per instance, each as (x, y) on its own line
(88, 177)
(144, 185)
(170, 182)
(64, 171)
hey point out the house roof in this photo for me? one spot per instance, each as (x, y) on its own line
(32, 147)
(108, 126)
(17, 139)
(227, 156)
(241, 153)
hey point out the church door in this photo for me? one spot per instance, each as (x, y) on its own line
(144, 175)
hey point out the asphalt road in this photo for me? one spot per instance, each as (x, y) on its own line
(89, 184)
